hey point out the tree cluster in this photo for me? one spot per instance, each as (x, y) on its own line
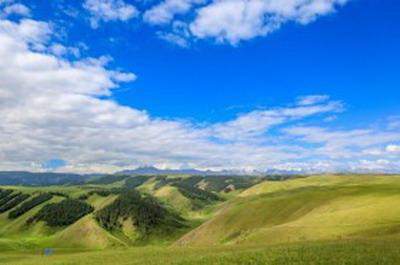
(212, 183)
(136, 181)
(8, 198)
(145, 212)
(196, 193)
(219, 183)
(4, 193)
(102, 193)
(28, 205)
(17, 199)
(191, 181)
(63, 213)
(59, 193)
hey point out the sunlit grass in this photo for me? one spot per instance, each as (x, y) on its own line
(358, 252)
(315, 220)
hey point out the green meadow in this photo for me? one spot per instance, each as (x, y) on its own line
(327, 219)
(344, 252)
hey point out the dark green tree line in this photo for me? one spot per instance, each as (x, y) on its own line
(28, 205)
(4, 193)
(20, 197)
(63, 213)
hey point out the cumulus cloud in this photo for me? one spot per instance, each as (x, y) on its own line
(224, 21)
(109, 10)
(54, 108)
(235, 20)
(49, 107)
(31, 32)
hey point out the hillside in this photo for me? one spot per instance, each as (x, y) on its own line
(307, 209)
(242, 219)
(101, 214)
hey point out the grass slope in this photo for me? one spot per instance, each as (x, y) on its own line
(307, 209)
(171, 196)
(314, 220)
(85, 233)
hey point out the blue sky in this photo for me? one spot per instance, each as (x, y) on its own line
(198, 70)
(341, 54)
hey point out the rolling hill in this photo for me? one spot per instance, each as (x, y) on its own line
(307, 209)
(236, 216)
(54, 222)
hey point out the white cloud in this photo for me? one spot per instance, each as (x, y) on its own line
(173, 38)
(61, 50)
(306, 167)
(233, 21)
(54, 108)
(379, 165)
(49, 107)
(225, 21)
(392, 148)
(165, 11)
(256, 123)
(179, 34)
(27, 31)
(15, 9)
(343, 144)
(311, 99)
(109, 10)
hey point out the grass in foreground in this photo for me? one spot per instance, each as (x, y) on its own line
(346, 252)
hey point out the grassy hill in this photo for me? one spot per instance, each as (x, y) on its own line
(336, 219)
(87, 232)
(306, 209)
